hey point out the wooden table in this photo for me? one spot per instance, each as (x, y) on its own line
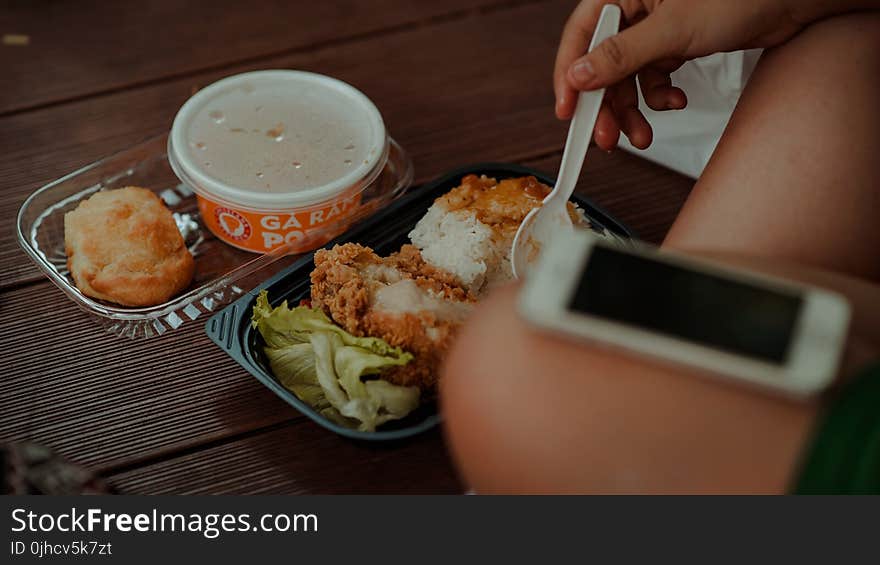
(458, 81)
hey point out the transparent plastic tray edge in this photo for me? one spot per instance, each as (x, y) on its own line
(137, 323)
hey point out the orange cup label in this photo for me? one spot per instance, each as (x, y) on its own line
(264, 231)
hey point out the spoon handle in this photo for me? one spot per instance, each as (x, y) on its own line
(581, 129)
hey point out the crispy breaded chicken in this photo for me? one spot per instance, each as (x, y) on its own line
(400, 298)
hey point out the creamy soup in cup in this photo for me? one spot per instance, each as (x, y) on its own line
(278, 157)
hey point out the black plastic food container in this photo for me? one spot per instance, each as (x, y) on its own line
(385, 232)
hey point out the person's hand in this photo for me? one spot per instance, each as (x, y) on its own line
(657, 38)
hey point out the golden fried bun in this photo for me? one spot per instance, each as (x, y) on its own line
(123, 246)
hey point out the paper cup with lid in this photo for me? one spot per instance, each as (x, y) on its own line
(282, 158)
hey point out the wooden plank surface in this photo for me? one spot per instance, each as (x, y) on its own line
(111, 402)
(300, 458)
(417, 77)
(105, 401)
(83, 48)
(37, 147)
(173, 414)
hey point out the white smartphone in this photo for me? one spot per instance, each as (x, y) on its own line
(782, 336)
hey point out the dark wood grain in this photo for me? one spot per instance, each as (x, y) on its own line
(472, 89)
(174, 414)
(84, 48)
(108, 402)
(105, 401)
(300, 458)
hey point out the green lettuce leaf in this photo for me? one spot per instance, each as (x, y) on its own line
(324, 366)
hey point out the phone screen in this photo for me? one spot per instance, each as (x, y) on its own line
(706, 309)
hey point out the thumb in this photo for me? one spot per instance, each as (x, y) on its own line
(624, 54)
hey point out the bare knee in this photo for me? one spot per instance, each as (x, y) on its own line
(527, 412)
(492, 398)
(859, 30)
(794, 176)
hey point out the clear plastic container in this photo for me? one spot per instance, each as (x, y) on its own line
(222, 273)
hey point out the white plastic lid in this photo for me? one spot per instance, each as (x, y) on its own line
(276, 139)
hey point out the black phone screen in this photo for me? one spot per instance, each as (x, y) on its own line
(701, 308)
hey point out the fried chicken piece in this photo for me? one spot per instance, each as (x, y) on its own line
(401, 299)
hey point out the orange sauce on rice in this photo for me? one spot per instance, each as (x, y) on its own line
(501, 205)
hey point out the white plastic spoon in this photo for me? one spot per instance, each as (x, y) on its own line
(540, 225)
